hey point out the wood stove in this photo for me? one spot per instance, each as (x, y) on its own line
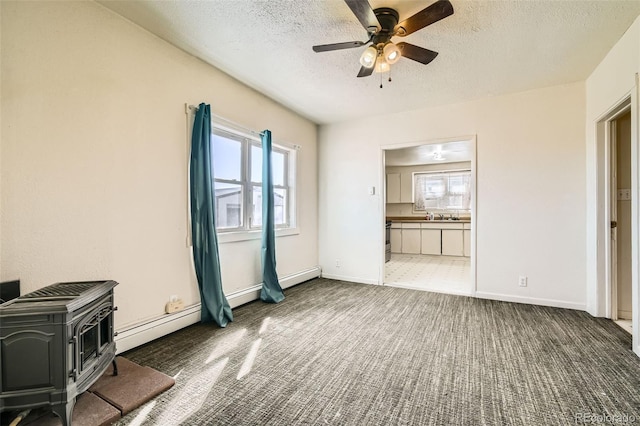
(54, 343)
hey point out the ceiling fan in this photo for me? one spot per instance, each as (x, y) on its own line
(381, 25)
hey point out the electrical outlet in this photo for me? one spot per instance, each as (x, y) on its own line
(337, 263)
(522, 281)
(174, 306)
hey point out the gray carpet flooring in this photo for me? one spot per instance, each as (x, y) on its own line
(338, 353)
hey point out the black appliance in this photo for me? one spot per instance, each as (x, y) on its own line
(9, 290)
(55, 343)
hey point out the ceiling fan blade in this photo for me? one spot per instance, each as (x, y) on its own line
(417, 53)
(437, 11)
(365, 72)
(364, 13)
(338, 46)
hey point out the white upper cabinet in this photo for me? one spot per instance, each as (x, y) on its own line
(399, 188)
(393, 187)
(406, 188)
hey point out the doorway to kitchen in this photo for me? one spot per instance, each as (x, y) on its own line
(428, 207)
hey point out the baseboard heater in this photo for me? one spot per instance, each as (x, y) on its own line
(139, 334)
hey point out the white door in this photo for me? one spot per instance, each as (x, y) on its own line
(621, 214)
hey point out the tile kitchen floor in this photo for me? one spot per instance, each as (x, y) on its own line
(443, 274)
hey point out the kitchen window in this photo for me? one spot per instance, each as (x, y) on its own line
(442, 190)
(237, 168)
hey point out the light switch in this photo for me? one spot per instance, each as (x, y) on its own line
(624, 194)
(372, 190)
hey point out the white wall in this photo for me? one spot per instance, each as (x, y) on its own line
(94, 158)
(530, 191)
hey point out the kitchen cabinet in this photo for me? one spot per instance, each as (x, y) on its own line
(467, 240)
(431, 241)
(452, 242)
(431, 238)
(396, 238)
(411, 238)
(399, 188)
(393, 187)
(406, 188)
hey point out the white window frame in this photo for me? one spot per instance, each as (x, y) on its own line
(247, 231)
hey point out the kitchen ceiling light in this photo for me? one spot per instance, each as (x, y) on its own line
(368, 58)
(391, 53)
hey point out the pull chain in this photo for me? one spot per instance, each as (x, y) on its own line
(388, 75)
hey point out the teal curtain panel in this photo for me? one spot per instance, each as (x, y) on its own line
(271, 291)
(206, 258)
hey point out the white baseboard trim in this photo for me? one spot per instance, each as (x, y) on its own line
(350, 279)
(531, 300)
(147, 331)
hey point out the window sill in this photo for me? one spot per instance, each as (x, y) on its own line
(230, 237)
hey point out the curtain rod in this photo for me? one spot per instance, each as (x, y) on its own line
(246, 129)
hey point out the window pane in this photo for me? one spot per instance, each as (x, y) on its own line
(227, 158)
(277, 167)
(256, 164)
(442, 191)
(458, 183)
(256, 201)
(228, 205)
(279, 206)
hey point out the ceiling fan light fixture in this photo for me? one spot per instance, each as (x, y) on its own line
(368, 57)
(382, 65)
(391, 53)
(382, 24)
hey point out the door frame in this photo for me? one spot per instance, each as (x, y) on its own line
(383, 197)
(604, 285)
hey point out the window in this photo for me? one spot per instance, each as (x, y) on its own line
(237, 168)
(442, 190)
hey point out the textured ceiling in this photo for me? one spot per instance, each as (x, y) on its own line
(486, 48)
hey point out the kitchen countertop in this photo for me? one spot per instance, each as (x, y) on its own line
(422, 220)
